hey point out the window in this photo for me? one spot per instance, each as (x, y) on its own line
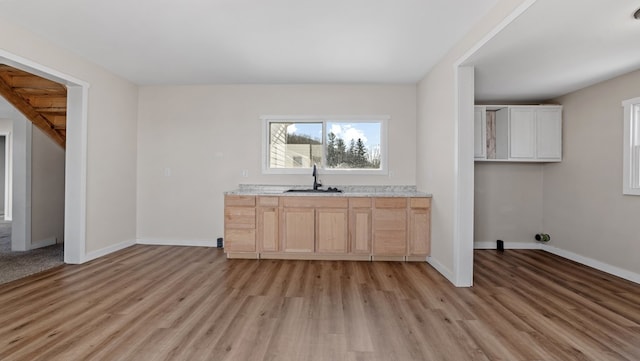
(355, 145)
(294, 144)
(631, 174)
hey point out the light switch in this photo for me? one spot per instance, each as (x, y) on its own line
(167, 172)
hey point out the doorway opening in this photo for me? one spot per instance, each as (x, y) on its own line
(75, 155)
(32, 212)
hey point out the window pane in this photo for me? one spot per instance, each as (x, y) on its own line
(353, 145)
(294, 145)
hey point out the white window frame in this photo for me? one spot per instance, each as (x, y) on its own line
(324, 119)
(631, 150)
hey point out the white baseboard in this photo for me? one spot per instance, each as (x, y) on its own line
(44, 243)
(107, 250)
(178, 242)
(508, 245)
(442, 269)
(601, 266)
(604, 267)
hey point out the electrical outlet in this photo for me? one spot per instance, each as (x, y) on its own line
(167, 172)
(245, 173)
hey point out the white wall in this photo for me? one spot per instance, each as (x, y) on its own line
(584, 209)
(47, 190)
(508, 203)
(38, 192)
(21, 159)
(3, 172)
(207, 135)
(437, 137)
(6, 127)
(111, 157)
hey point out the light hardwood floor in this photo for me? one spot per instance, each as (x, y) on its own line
(190, 303)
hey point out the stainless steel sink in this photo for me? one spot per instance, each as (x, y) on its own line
(309, 190)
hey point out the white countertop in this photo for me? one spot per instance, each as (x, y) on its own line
(347, 191)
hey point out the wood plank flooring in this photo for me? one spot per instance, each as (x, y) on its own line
(190, 303)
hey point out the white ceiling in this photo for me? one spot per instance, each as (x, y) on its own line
(554, 48)
(254, 41)
(557, 47)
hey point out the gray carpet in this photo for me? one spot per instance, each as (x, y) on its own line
(15, 265)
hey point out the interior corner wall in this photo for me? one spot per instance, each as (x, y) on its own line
(47, 190)
(436, 137)
(585, 211)
(3, 170)
(435, 167)
(195, 141)
(21, 194)
(6, 128)
(508, 203)
(111, 139)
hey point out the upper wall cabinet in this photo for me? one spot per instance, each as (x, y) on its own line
(518, 133)
(480, 123)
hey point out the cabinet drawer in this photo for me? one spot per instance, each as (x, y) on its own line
(360, 202)
(393, 219)
(239, 217)
(390, 243)
(268, 201)
(391, 202)
(240, 240)
(242, 201)
(420, 202)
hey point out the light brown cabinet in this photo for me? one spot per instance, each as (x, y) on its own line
(268, 224)
(298, 230)
(360, 225)
(332, 230)
(326, 227)
(315, 224)
(240, 223)
(389, 226)
(419, 227)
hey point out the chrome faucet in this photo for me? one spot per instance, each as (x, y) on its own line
(316, 184)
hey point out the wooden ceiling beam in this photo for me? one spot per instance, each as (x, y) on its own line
(59, 121)
(51, 110)
(41, 91)
(30, 112)
(47, 102)
(32, 81)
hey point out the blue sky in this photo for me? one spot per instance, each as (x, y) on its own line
(368, 132)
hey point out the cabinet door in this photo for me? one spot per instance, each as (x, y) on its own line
(298, 230)
(360, 227)
(390, 227)
(267, 229)
(420, 227)
(268, 224)
(549, 137)
(480, 132)
(331, 230)
(522, 128)
(240, 229)
(360, 230)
